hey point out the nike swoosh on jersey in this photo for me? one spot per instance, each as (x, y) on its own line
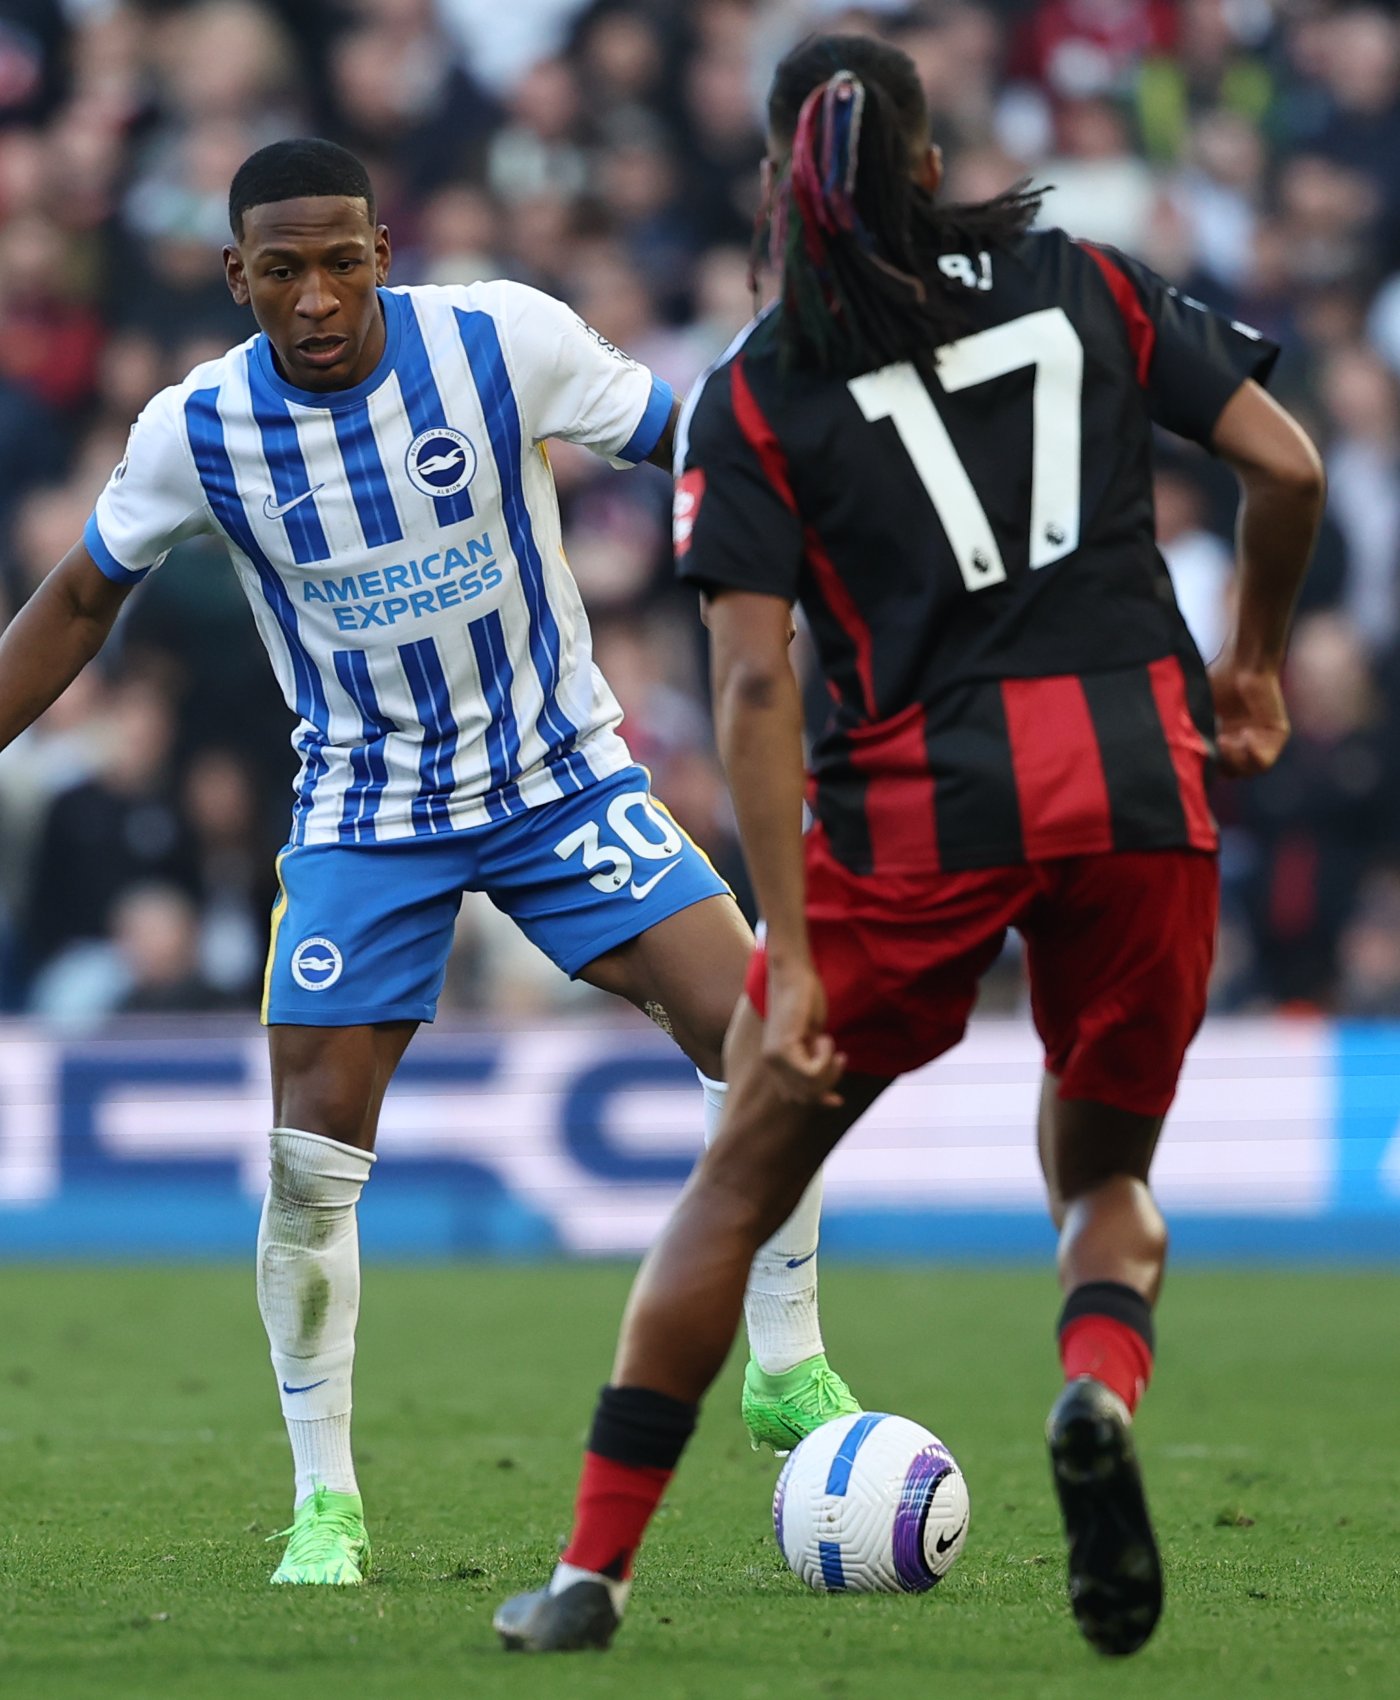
(275, 510)
(640, 891)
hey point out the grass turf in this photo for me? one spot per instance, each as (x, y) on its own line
(143, 1464)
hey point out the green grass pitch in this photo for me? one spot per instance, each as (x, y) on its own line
(142, 1465)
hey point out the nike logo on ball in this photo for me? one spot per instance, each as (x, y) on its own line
(945, 1541)
(307, 1389)
(275, 510)
(640, 891)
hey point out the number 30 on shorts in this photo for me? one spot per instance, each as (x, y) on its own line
(642, 834)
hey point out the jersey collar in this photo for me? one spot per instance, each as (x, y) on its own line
(393, 306)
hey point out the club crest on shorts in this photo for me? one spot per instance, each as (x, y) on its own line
(440, 461)
(316, 965)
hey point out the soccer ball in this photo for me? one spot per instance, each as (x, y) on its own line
(871, 1504)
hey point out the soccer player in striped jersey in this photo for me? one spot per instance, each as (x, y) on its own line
(939, 442)
(374, 461)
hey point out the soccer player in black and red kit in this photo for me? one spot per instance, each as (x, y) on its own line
(939, 442)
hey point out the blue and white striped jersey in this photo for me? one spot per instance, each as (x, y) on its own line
(400, 545)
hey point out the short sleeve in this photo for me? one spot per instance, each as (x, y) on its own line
(572, 383)
(151, 502)
(1191, 360)
(736, 520)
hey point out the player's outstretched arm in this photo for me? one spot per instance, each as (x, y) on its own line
(53, 637)
(1283, 489)
(758, 726)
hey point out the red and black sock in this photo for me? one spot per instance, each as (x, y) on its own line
(1106, 1332)
(637, 1440)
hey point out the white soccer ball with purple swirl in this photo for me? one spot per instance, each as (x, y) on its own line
(871, 1504)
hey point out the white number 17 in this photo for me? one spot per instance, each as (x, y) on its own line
(1048, 342)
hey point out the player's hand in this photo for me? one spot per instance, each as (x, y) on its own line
(799, 1053)
(1250, 716)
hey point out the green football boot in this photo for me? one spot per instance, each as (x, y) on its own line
(780, 1410)
(329, 1543)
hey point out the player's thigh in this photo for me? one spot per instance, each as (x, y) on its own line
(1118, 952)
(332, 1080)
(687, 971)
(360, 937)
(588, 875)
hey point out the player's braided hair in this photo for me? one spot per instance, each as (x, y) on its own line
(855, 239)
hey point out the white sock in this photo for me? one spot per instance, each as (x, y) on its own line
(780, 1302)
(565, 1575)
(309, 1296)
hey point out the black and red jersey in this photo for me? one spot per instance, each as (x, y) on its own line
(974, 551)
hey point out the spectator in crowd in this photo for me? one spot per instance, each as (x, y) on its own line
(1200, 562)
(1322, 817)
(118, 829)
(156, 936)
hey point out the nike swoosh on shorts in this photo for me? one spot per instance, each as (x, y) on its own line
(640, 891)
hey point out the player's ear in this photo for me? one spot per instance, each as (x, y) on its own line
(236, 275)
(928, 172)
(383, 257)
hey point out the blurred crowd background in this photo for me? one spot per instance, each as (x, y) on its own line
(607, 152)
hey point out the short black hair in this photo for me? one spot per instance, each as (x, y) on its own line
(285, 171)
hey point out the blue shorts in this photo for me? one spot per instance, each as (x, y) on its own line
(361, 932)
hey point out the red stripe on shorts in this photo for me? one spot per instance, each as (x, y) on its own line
(1060, 782)
(1142, 333)
(763, 440)
(1187, 748)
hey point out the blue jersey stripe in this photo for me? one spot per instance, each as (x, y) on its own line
(502, 734)
(422, 667)
(492, 380)
(423, 403)
(510, 731)
(211, 458)
(369, 770)
(655, 418)
(839, 1475)
(290, 480)
(364, 472)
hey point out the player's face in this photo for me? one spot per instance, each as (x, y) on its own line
(309, 269)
